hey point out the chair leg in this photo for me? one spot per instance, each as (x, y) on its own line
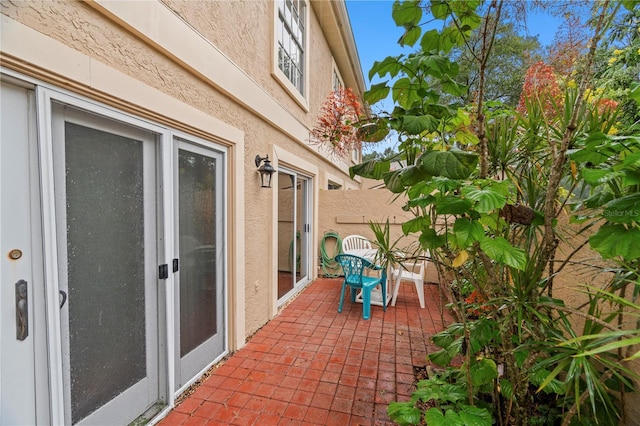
(366, 303)
(396, 287)
(344, 285)
(384, 295)
(420, 290)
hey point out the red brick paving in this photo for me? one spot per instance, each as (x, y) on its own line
(314, 366)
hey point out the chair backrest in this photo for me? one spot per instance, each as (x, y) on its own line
(355, 242)
(353, 268)
(415, 267)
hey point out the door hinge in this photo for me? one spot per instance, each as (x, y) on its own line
(163, 271)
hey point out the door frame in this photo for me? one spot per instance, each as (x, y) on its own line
(292, 163)
(303, 207)
(45, 97)
(28, 263)
(148, 386)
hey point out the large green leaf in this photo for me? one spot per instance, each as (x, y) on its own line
(597, 149)
(452, 164)
(404, 413)
(372, 169)
(412, 175)
(596, 177)
(440, 9)
(623, 210)
(452, 87)
(435, 417)
(430, 240)
(390, 65)
(475, 416)
(506, 388)
(483, 371)
(613, 240)
(377, 92)
(415, 125)
(410, 36)
(452, 205)
(502, 251)
(406, 12)
(450, 37)
(441, 357)
(405, 93)
(416, 224)
(393, 181)
(487, 199)
(467, 232)
(430, 41)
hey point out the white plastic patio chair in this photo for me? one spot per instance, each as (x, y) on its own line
(410, 271)
(355, 244)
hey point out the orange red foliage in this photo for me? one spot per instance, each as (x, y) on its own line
(541, 85)
(336, 128)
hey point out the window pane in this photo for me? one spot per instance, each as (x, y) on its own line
(291, 40)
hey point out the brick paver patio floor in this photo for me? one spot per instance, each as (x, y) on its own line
(311, 365)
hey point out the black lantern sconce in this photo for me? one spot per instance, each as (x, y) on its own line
(265, 171)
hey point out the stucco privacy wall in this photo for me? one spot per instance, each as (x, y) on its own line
(104, 34)
(587, 269)
(349, 212)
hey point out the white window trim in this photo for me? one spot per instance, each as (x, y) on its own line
(276, 72)
(335, 72)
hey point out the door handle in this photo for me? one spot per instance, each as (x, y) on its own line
(22, 310)
(64, 298)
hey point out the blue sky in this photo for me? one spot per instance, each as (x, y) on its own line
(377, 37)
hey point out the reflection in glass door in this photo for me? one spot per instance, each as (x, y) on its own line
(200, 290)
(293, 231)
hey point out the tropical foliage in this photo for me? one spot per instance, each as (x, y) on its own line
(504, 199)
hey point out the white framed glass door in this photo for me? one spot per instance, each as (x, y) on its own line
(200, 290)
(106, 192)
(294, 231)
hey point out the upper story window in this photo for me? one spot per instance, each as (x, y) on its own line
(291, 36)
(337, 80)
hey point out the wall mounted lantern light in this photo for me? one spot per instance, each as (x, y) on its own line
(265, 171)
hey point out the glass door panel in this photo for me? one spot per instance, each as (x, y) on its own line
(293, 231)
(287, 247)
(105, 247)
(201, 279)
(108, 260)
(302, 229)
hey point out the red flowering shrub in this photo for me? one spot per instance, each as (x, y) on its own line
(541, 86)
(606, 105)
(336, 128)
(475, 303)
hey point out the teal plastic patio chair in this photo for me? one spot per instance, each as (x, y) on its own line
(354, 277)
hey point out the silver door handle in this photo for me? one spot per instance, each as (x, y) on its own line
(64, 298)
(22, 310)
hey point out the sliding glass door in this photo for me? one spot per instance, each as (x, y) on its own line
(294, 218)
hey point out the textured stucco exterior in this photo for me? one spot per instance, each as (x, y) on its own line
(242, 30)
(206, 69)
